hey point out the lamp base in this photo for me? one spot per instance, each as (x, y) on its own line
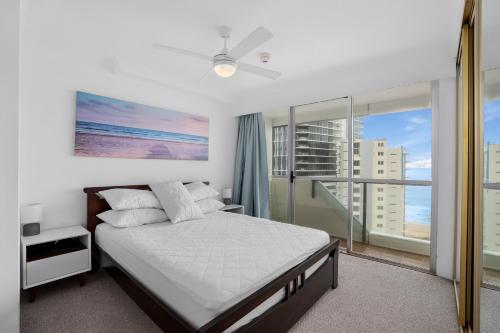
(227, 201)
(31, 229)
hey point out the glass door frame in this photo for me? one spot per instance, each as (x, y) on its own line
(292, 142)
(470, 214)
(351, 181)
(470, 312)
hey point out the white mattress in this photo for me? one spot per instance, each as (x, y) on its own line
(202, 267)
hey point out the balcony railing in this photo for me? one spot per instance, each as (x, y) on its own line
(322, 202)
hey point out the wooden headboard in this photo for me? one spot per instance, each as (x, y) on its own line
(97, 205)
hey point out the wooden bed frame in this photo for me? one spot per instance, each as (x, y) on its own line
(300, 293)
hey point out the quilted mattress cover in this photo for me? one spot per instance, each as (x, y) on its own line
(222, 258)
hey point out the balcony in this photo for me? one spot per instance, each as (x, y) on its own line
(399, 257)
(380, 228)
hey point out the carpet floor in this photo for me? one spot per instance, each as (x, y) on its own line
(371, 297)
(490, 309)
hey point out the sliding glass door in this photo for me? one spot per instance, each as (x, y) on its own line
(321, 166)
(360, 169)
(489, 250)
(491, 196)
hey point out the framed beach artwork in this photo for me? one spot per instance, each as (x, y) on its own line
(108, 127)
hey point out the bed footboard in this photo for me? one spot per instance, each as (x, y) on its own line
(300, 295)
(285, 314)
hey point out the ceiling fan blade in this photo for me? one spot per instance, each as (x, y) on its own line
(273, 75)
(256, 38)
(205, 75)
(182, 52)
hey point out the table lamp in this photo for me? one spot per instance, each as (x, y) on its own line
(31, 216)
(227, 195)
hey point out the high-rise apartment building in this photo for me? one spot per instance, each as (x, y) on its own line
(385, 204)
(492, 199)
(318, 148)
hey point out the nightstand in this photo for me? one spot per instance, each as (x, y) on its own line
(54, 254)
(237, 209)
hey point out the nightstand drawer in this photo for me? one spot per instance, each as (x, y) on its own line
(54, 267)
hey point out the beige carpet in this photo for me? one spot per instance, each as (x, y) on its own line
(490, 308)
(371, 297)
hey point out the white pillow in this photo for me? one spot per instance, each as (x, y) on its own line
(177, 202)
(133, 217)
(125, 198)
(200, 191)
(209, 205)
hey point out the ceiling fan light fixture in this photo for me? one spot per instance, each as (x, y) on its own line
(224, 66)
(225, 70)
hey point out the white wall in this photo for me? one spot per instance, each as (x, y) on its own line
(63, 55)
(9, 185)
(446, 176)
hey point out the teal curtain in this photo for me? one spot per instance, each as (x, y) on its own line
(251, 181)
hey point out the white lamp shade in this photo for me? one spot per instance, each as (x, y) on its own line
(225, 70)
(31, 213)
(227, 193)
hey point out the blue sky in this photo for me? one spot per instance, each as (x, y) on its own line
(412, 130)
(492, 121)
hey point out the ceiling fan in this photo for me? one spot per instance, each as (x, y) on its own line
(226, 62)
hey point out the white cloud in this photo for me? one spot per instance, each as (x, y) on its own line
(491, 112)
(419, 164)
(417, 120)
(413, 123)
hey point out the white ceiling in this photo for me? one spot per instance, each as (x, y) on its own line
(491, 34)
(323, 48)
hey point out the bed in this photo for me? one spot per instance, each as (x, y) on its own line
(224, 273)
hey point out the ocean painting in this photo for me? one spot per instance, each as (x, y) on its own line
(108, 127)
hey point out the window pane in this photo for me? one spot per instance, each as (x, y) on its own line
(393, 142)
(322, 205)
(388, 225)
(279, 143)
(491, 197)
(278, 199)
(490, 274)
(394, 134)
(491, 238)
(277, 150)
(321, 138)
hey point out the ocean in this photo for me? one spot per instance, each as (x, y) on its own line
(418, 204)
(86, 127)
(418, 198)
